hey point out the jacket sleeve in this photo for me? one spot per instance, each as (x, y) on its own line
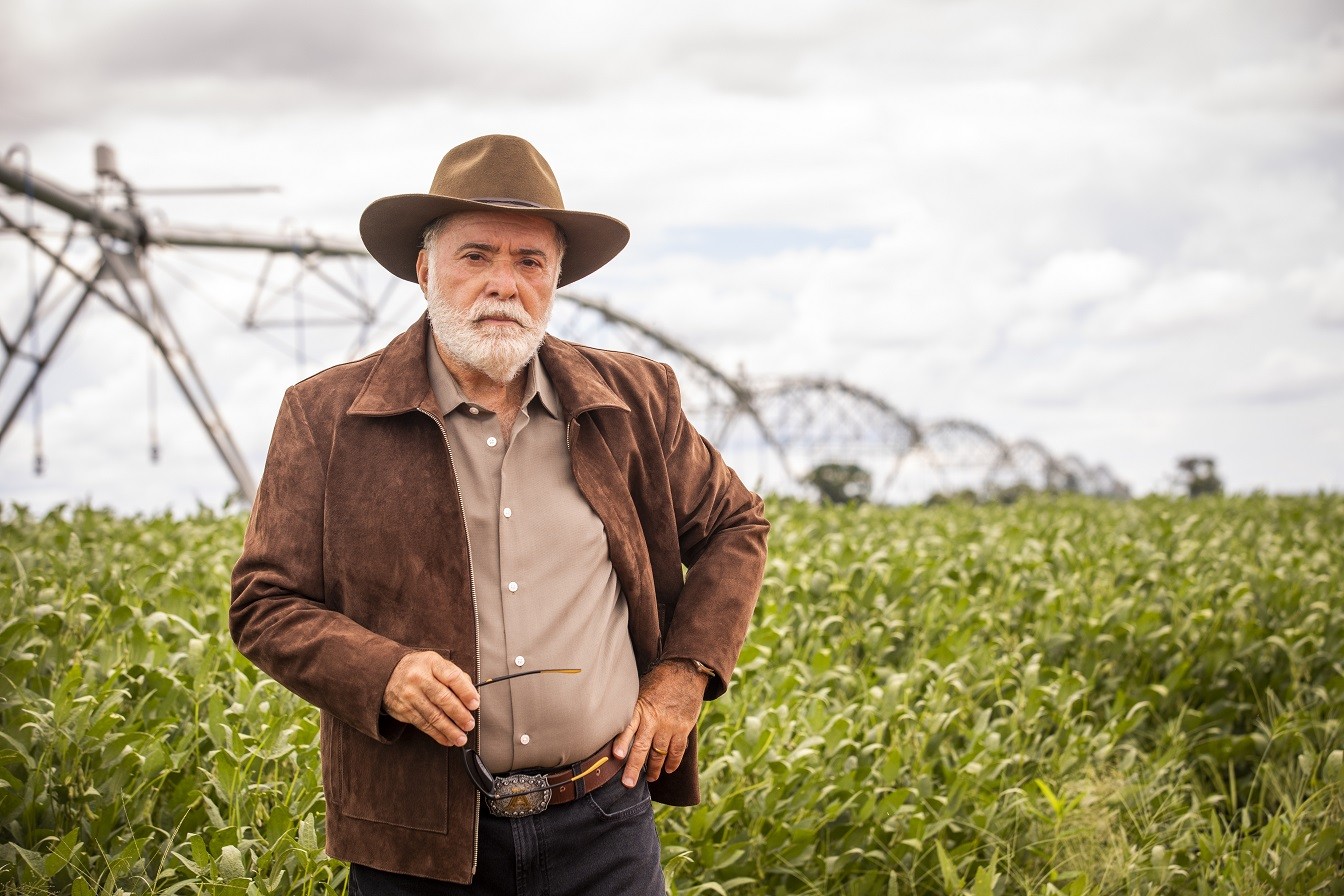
(722, 529)
(279, 616)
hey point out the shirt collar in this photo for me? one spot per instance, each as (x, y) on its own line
(545, 392)
(448, 394)
(397, 377)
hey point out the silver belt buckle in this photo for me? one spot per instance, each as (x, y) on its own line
(511, 799)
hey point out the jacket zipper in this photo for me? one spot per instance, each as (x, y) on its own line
(475, 613)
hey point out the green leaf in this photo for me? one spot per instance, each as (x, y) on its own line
(952, 882)
(60, 855)
(308, 834)
(985, 878)
(231, 863)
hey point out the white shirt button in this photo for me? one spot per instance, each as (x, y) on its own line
(492, 441)
(513, 586)
(473, 410)
(525, 739)
(518, 661)
(508, 512)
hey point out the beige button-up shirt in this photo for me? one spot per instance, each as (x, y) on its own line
(546, 594)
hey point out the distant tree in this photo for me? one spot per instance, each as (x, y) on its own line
(841, 483)
(962, 496)
(1199, 476)
(1011, 494)
(1064, 481)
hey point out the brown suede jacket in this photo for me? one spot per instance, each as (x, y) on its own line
(356, 555)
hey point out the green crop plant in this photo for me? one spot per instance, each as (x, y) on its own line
(1062, 696)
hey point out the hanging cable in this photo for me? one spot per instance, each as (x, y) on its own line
(39, 455)
(153, 316)
(34, 341)
(153, 397)
(298, 326)
(299, 358)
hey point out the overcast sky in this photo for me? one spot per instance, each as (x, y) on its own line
(1114, 227)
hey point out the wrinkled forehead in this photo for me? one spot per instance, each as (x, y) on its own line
(492, 226)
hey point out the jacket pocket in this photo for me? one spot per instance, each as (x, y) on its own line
(402, 783)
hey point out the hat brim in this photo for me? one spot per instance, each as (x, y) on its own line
(392, 227)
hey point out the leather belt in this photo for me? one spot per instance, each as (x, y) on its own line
(540, 789)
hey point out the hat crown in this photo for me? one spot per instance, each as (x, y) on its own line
(489, 173)
(499, 169)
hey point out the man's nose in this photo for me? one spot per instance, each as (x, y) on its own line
(503, 279)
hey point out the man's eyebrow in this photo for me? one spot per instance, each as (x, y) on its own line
(490, 247)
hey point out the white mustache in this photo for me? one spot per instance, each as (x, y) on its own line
(483, 310)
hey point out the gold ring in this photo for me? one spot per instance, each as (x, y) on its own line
(658, 752)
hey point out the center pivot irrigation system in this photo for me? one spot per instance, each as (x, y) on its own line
(89, 247)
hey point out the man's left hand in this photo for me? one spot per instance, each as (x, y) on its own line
(669, 702)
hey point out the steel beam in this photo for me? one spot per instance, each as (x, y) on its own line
(132, 229)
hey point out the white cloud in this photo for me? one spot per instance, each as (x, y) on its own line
(1096, 224)
(1323, 289)
(1286, 375)
(1178, 306)
(1078, 279)
(1310, 79)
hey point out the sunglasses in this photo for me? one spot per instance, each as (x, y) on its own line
(481, 776)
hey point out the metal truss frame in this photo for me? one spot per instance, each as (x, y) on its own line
(799, 420)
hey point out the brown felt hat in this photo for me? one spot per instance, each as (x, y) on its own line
(489, 173)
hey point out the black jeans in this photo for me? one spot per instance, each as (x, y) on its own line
(603, 842)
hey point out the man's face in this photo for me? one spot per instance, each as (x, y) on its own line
(489, 278)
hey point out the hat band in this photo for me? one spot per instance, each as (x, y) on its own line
(523, 203)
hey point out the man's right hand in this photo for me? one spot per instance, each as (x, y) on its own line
(434, 695)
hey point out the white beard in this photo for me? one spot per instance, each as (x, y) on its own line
(499, 353)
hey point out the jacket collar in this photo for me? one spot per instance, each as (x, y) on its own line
(399, 380)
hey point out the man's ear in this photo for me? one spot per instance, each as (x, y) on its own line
(422, 271)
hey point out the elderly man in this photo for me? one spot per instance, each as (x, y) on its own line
(504, 566)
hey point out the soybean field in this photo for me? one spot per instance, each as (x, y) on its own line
(1065, 695)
